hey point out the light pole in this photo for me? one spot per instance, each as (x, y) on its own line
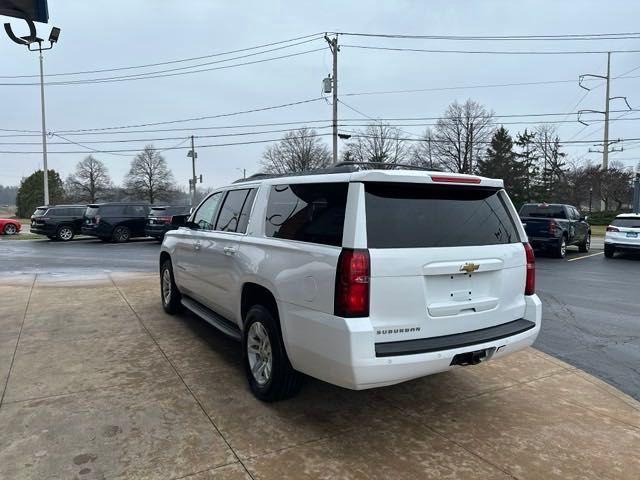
(30, 40)
(590, 198)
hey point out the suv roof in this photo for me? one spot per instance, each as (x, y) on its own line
(628, 215)
(346, 173)
(95, 205)
(60, 206)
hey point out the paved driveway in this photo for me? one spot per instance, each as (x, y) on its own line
(98, 382)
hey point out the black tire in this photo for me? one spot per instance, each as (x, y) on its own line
(121, 234)
(283, 381)
(560, 250)
(171, 298)
(65, 233)
(609, 251)
(585, 245)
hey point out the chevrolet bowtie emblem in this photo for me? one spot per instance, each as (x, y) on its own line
(469, 267)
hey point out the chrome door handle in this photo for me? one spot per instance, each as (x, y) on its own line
(230, 250)
(196, 246)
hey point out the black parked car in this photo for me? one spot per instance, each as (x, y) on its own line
(58, 222)
(117, 222)
(554, 226)
(159, 220)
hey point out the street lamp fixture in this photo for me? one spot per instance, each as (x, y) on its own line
(30, 40)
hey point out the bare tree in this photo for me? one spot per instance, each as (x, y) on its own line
(299, 150)
(378, 143)
(552, 165)
(423, 152)
(149, 177)
(90, 182)
(462, 135)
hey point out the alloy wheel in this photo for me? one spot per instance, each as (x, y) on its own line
(259, 353)
(65, 234)
(10, 229)
(166, 286)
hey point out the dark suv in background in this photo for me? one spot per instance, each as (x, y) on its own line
(58, 222)
(159, 220)
(116, 222)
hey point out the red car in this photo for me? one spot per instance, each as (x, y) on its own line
(9, 226)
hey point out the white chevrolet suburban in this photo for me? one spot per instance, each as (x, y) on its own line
(358, 277)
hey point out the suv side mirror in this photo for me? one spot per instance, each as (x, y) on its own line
(584, 218)
(192, 225)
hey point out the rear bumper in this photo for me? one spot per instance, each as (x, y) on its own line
(543, 242)
(343, 351)
(622, 246)
(156, 231)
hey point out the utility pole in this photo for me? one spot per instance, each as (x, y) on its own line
(29, 40)
(333, 46)
(605, 150)
(606, 143)
(193, 182)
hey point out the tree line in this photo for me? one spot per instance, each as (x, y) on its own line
(467, 139)
(149, 179)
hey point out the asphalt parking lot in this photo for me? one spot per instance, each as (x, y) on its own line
(590, 314)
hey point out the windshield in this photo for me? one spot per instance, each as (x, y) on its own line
(91, 212)
(40, 212)
(403, 215)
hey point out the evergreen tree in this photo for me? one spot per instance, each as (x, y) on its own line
(31, 192)
(528, 158)
(502, 162)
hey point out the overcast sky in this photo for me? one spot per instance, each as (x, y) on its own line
(110, 34)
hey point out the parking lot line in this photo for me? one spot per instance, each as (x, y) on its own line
(584, 256)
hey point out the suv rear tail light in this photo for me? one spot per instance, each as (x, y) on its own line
(553, 226)
(454, 179)
(352, 283)
(165, 219)
(612, 229)
(530, 283)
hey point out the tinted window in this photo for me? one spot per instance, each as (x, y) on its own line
(204, 215)
(136, 210)
(415, 216)
(91, 212)
(162, 211)
(231, 209)
(246, 211)
(543, 211)
(111, 210)
(307, 212)
(628, 222)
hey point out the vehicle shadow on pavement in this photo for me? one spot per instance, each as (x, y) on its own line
(128, 391)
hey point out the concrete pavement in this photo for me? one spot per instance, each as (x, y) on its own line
(98, 382)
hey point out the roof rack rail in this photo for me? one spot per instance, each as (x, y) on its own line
(340, 167)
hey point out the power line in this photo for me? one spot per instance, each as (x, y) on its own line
(491, 52)
(205, 117)
(181, 60)
(250, 142)
(126, 78)
(573, 37)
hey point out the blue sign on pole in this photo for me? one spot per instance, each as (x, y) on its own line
(34, 10)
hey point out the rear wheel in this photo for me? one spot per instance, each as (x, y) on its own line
(561, 248)
(10, 229)
(609, 251)
(121, 234)
(586, 244)
(65, 233)
(168, 290)
(269, 372)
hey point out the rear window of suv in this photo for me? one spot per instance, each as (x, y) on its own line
(403, 215)
(627, 222)
(543, 211)
(311, 213)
